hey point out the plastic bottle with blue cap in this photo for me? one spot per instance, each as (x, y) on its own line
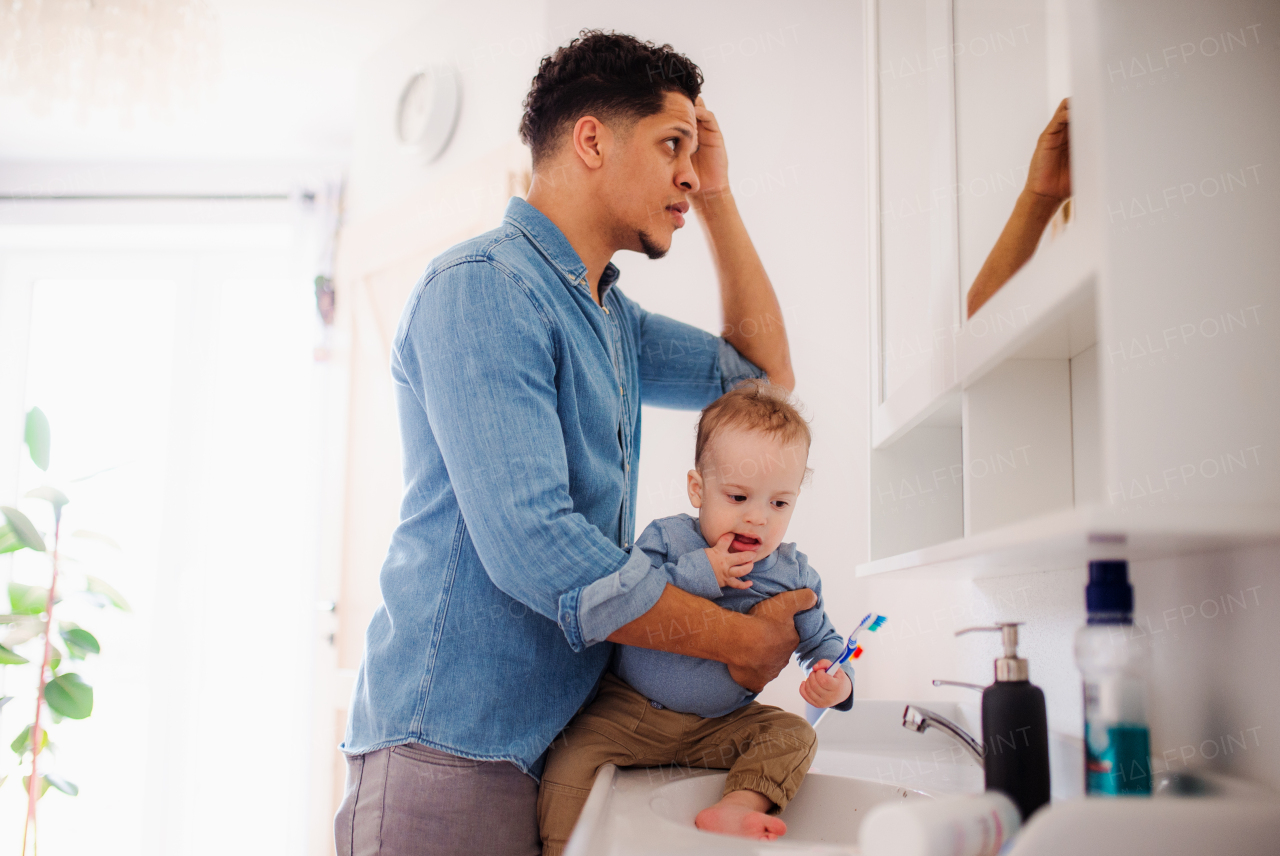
(1114, 667)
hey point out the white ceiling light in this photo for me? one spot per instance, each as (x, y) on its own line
(428, 110)
(107, 53)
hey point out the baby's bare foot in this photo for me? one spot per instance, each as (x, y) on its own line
(734, 815)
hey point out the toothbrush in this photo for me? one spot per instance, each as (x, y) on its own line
(852, 650)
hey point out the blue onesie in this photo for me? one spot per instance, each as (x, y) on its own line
(692, 684)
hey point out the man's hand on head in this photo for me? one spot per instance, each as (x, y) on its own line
(710, 161)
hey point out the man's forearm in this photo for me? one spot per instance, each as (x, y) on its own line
(752, 315)
(1031, 213)
(684, 623)
(755, 647)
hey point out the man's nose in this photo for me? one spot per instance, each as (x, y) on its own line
(687, 178)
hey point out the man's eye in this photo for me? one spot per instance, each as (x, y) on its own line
(673, 143)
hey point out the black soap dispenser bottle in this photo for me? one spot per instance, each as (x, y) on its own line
(1015, 730)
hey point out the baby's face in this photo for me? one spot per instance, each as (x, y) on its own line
(749, 486)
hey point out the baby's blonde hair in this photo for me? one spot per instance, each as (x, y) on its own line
(756, 405)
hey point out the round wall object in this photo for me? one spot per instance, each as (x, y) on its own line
(428, 110)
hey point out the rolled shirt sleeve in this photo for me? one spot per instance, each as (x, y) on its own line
(684, 367)
(603, 604)
(481, 354)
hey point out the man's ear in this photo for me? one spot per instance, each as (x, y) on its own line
(590, 138)
(695, 488)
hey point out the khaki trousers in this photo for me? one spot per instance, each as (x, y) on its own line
(765, 749)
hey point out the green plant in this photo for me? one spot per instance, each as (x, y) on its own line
(61, 693)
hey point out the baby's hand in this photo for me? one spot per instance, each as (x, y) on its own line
(730, 567)
(823, 690)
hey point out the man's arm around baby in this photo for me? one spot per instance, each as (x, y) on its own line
(756, 646)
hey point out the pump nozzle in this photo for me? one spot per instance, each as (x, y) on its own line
(1009, 667)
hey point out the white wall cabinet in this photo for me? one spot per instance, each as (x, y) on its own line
(1119, 396)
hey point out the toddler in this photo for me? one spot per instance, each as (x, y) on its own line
(656, 707)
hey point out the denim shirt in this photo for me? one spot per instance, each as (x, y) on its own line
(519, 405)
(692, 684)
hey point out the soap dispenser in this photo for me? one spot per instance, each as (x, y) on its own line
(1015, 730)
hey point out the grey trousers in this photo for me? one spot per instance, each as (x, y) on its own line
(411, 800)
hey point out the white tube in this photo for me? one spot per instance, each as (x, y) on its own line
(969, 825)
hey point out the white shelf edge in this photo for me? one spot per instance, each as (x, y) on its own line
(914, 402)
(1041, 294)
(1072, 537)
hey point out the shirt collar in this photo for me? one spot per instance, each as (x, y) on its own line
(552, 243)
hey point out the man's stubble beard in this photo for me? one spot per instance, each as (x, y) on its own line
(650, 249)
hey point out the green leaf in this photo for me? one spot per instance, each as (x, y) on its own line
(44, 785)
(70, 696)
(27, 600)
(5, 700)
(22, 529)
(37, 437)
(80, 642)
(61, 784)
(9, 658)
(98, 586)
(55, 659)
(8, 539)
(51, 495)
(21, 744)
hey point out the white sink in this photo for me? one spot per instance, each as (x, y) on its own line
(865, 757)
(810, 817)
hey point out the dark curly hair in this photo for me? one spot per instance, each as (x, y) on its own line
(609, 75)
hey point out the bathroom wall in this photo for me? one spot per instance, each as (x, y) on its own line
(495, 54)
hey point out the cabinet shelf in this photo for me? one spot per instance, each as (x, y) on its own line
(1073, 537)
(1047, 310)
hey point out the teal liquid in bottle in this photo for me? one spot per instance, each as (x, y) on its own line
(1117, 743)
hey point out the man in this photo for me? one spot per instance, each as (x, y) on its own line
(520, 368)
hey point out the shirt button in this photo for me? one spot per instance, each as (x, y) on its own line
(606, 310)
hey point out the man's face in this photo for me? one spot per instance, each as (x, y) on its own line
(649, 176)
(749, 486)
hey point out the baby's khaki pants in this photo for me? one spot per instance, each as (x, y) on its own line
(765, 749)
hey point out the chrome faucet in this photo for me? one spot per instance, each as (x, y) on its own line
(918, 719)
(938, 682)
